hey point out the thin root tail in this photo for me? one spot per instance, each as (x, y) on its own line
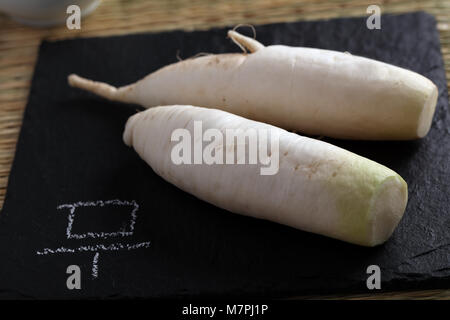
(99, 88)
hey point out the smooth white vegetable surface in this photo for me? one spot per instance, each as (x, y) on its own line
(319, 187)
(309, 90)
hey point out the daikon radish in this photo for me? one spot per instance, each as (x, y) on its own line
(317, 187)
(313, 91)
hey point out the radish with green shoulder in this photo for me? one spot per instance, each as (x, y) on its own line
(317, 187)
(313, 91)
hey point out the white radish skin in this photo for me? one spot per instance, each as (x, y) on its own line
(314, 91)
(319, 187)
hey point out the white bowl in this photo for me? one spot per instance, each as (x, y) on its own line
(44, 12)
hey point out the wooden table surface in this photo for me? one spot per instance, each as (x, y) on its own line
(19, 46)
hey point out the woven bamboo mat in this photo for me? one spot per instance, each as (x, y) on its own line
(19, 45)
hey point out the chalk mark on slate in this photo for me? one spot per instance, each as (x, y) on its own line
(98, 235)
(99, 203)
(95, 248)
(95, 266)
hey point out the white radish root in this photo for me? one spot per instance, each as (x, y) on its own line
(314, 91)
(318, 188)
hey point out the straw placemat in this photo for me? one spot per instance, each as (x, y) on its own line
(19, 45)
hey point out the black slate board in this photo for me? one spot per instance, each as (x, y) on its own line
(70, 149)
